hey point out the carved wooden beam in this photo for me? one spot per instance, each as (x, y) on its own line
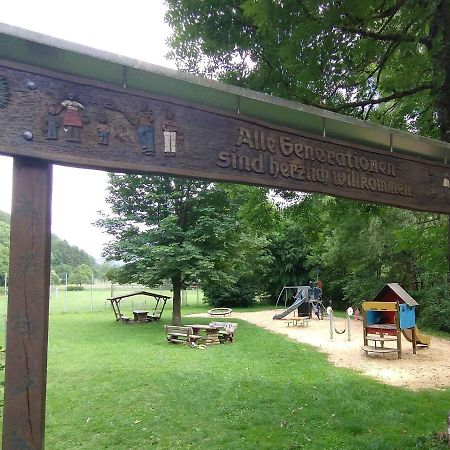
(83, 123)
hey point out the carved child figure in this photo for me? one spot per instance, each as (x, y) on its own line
(103, 129)
(51, 123)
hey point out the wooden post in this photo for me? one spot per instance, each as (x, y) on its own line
(29, 284)
(399, 332)
(364, 314)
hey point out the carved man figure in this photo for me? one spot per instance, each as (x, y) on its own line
(145, 131)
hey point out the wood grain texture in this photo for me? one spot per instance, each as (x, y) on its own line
(27, 330)
(195, 141)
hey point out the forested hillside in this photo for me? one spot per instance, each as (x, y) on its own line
(66, 258)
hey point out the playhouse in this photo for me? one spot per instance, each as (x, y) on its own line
(390, 314)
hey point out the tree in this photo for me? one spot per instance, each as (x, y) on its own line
(54, 278)
(82, 274)
(385, 60)
(168, 228)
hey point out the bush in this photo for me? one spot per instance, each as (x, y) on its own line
(434, 310)
(75, 287)
(242, 293)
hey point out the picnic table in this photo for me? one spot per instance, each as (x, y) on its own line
(210, 333)
(140, 315)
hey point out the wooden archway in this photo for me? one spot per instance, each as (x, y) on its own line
(66, 104)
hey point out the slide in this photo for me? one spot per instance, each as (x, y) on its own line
(422, 339)
(302, 296)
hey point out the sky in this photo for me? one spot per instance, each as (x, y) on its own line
(135, 29)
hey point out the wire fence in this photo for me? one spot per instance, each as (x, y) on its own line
(94, 298)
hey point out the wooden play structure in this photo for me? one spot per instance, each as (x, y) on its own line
(139, 315)
(391, 314)
(304, 299)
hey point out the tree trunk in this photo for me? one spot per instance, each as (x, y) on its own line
(176, 311)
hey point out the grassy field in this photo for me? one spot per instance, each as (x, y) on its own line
(117, 386)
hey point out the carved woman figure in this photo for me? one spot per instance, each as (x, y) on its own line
(71, 117)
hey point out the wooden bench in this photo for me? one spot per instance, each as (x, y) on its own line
(226, 330)
(220, 312)
(125, 319)
(180, 335)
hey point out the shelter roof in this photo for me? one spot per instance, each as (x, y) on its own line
(25, 47)
(150, 294)
(399, 291)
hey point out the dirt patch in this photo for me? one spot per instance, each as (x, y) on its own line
(429, 368)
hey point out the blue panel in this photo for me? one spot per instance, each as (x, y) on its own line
(373, 317)
(407, 316)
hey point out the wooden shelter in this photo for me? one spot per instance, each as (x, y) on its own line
(140, 315)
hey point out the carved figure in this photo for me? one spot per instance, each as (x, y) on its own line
(72, 122)
(446, 188)
(103, 129)
(170, 134)
(123, 134)
(51, 123)
(4, 93)
(145, 131)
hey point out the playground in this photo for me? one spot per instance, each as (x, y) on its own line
(429, 368)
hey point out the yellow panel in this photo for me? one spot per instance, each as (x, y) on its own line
(380, 306)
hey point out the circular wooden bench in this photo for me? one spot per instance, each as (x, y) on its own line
(220, 312)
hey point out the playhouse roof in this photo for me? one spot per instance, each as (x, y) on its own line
(399, 291)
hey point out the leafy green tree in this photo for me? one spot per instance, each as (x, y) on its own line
(167, 228)
(385, 60)
(81, 275)
(250, 269)
(54, 278)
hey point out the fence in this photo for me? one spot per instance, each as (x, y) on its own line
(95, 298)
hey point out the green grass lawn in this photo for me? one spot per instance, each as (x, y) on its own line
(117, 386)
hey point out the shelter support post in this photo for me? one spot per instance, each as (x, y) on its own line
(28, 304)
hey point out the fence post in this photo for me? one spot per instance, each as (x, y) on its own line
(65, 295)
(92, 293)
